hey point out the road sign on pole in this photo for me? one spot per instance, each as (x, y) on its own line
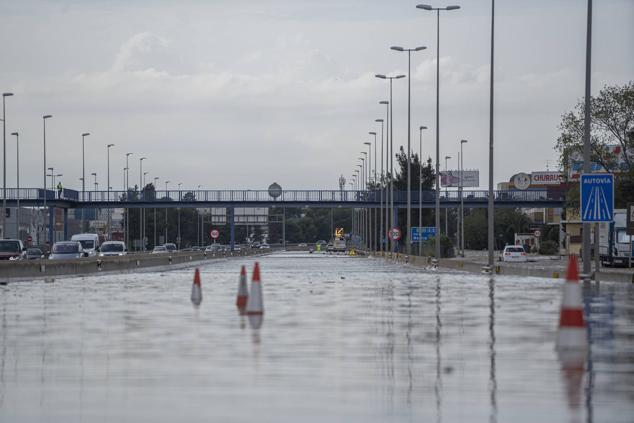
(214, 234)
(395, 234)
(597, 197)
(423, 233)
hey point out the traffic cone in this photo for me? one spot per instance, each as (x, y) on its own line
(197, 294)
(572, 333)
(243, 293)
(255, 305)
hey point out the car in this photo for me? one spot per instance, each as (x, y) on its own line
(171, 247)
(90, 243)
(213, 248)
(33, 253)
(255, 245)
(302, 244)
(514, 253)
(264, 246)
(160, 249)
(11, 249)
(113, 248)
(65, 250)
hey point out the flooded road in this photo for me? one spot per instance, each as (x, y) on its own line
(343, 339)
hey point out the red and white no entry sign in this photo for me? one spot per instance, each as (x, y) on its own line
(29, 238)
(395, 233)
(214, 234)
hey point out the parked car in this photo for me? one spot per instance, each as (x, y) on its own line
(264, 246)
(160, 249)
(213, 248)
(171, 247)
(113, 248)
(33, 254)
(65, 250)
(90, 243)
(514, 253)
(11, 249)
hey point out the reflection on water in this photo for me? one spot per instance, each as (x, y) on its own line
(346, 340)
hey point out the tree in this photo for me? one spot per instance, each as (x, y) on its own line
(508, 222)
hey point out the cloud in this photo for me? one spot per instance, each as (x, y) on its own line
(142, 51)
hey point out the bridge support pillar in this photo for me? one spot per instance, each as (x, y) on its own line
(65, 224)
(51, 225)
(232, 227)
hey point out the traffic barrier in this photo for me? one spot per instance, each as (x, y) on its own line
(255, 304)
(197, 295)
(243, 294)
(572, 333)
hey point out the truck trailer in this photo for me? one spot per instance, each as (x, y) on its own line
(615, 245)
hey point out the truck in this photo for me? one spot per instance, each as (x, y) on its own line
(615, 245)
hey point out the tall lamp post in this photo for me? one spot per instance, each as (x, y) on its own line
(363, 188)
(369, 211)
(4, 164)
(108, 147)
(156, 178)
(167, 195)
(83, 174)
(387, 219)
(437, 9)
(587, 120)
(446, 194)
(376, 185)
(409, 148)
(391, 153)
(380, 182)
(461, 229)
(178, 212)
(44, 118)
(420, 182)
(359, 189)
(141, 189)
(17, 161)
(127, 210)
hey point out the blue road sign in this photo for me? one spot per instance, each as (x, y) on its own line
(422, 233)
(597, 197)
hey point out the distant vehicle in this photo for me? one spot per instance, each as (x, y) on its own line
(113, 248)
(255, 245)
(338, 246)
(213, 248)
(65, 250)
(614, 242)
(330, 247)
(11, 249)
(160, 249)
(302, 244)
(236, 248)
(89, 242)
(171, 247)
(33, 254)
(514, 253)
(264, 246)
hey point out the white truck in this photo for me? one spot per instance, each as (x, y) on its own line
(615, 245)
(89, 242)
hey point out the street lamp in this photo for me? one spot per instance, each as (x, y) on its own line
(178, 211)
(437, 9)
(52, 180)
(391, 153)
(4, 164)
(462, 143)
(384, 174)
(420, 181)
(83, 174)
(166, 195)
(380, 190)
(156, 178)
(109, 209)
(369, 211)
(141, 188)
(45, 193)
(446, 194)
(409, 149)
(94, 199)
(17, 160)
(127, 210)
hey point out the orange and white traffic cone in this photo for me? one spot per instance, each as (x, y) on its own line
(197, 294)
(255, 305)
(243, 293)
(572, 333)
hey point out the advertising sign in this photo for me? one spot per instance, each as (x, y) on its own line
(451, 178)
(547, 178)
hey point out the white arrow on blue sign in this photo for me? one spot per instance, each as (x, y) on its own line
(597, 197)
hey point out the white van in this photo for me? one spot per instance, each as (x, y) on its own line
(90, 243)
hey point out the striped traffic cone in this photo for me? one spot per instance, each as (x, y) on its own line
(255, 305)
(197, 294)
(572, 333)
(243, 294)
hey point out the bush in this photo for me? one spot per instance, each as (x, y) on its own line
(548, 248)
(446, 247)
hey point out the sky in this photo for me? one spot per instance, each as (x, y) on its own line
(240, 94)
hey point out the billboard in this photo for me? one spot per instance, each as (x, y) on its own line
(613, 157)
(547, 178)
(451, 178)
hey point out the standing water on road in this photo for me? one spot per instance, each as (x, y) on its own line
(344, 339)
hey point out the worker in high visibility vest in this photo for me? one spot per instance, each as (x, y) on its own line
(59, 190)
